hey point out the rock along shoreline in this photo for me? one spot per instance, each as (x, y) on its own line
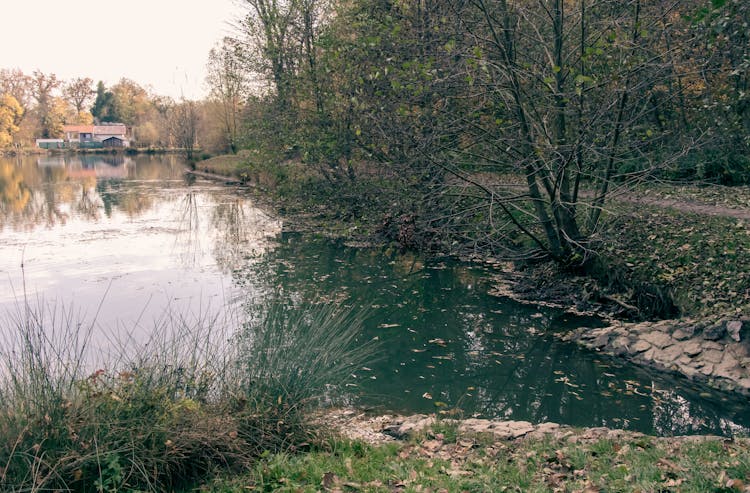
(715, 353)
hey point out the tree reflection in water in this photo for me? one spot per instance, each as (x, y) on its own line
(238, 231)
(445, 342)
(189, 233)
(46, 191)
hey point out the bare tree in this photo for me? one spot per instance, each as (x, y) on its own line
(184, 118)
(229, 85)
(269, 26)
(556, 92)
(18, 85)
(79, 92)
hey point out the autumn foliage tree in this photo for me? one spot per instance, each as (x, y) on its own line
(10, 117)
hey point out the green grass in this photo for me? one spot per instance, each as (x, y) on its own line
(552, 464)
(195, 398)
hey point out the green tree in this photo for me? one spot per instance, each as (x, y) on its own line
(103, 104)
(552, 91)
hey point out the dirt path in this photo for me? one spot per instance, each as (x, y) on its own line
(698, 201)
(691, 206)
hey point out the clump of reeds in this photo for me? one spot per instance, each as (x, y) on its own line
(157, 414)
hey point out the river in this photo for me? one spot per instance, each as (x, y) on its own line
(124, 241)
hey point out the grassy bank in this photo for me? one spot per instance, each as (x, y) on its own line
(445, 461)
(191, 399)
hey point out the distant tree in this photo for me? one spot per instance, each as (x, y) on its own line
(130, 103)
(228, 82)
(184, 120)
(57, 114)
(18, 85)
(79, 92)
(42, 90)
(162, 108)
(10, 117)
(102, 108)
(81, 118)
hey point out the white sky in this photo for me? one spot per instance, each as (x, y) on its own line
(163, 44)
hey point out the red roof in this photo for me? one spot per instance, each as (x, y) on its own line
(110, 129)
(85, 129)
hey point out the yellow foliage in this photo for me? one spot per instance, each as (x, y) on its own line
(83, 118)
(13, 192)
(10, 115)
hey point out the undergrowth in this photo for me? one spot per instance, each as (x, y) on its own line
(701, 260)
(188, 399)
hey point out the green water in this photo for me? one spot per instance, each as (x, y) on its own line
(447, 344)
(134, 234)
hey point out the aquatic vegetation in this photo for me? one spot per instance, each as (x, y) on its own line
(157, 414)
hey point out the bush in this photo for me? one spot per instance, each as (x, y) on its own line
(729, 166)
(159, 414)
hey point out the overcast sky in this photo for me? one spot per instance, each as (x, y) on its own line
(159, 43)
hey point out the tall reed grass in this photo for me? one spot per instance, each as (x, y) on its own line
(195, 396)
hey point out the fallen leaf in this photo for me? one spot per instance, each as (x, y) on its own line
(329, 480)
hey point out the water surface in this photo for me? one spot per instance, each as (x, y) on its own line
(127, 239)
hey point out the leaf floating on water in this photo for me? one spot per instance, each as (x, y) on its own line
(567, 382)
(427, 395)
(388, 326)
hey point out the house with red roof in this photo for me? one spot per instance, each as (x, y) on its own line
(103, 135)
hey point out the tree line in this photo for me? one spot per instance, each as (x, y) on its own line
(502, 125)
(39, 105)
(512, 121)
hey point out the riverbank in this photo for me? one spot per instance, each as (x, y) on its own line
(671, 252)
(34, 151)
(436, 454)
